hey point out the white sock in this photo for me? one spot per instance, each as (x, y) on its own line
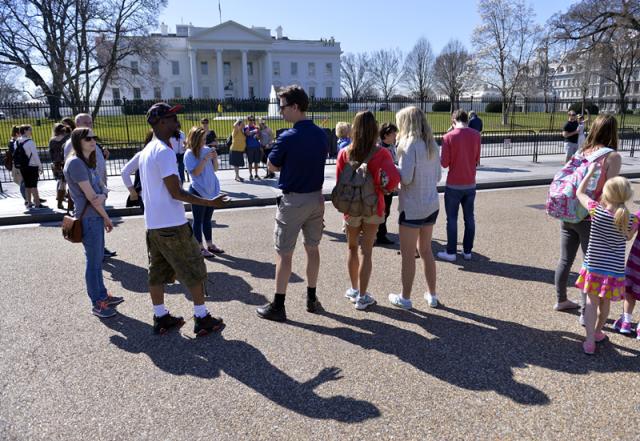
(200, 310)
(160, 310)
(626, 317)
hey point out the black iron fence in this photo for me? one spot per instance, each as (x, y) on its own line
(121, 125)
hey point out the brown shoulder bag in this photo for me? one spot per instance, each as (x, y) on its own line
(72, 227)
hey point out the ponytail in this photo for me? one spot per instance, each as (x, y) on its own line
(621, 221)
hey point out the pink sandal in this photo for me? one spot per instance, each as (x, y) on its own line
(589, 348)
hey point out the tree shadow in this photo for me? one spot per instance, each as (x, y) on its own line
(475, 356)
(208, 357)
(261, 270)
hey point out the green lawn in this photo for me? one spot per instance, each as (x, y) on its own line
(132, 128)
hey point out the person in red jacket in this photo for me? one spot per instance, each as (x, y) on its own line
(461, 155)
(364, 135)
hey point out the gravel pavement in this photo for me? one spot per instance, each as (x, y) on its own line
(496, 362)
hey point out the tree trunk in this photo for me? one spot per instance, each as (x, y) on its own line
(54, 107)
(505, 112)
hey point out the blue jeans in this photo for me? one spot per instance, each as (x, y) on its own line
(453, 198)
(201, 219)
(93, 242)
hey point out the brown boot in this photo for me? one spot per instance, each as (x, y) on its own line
(60, 199)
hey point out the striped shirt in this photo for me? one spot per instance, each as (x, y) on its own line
(606, 251)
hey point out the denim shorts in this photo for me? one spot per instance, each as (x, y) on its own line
(418, 223)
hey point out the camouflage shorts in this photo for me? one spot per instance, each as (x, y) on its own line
(175, 253)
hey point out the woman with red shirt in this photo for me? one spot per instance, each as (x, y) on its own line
(364, 136)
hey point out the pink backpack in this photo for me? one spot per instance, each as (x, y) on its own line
(562, 202)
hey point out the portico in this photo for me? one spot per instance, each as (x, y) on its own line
(233, 61)
(239, 73)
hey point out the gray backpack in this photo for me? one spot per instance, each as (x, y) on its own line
(355, 191)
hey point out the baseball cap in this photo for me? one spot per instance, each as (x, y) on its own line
(161, 110)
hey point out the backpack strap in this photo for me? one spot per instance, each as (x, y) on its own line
(599, 153)
(368, 157)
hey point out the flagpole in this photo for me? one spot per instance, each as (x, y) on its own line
(220, 11)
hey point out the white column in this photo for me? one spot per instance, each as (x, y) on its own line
(268, 73)
(219, 74)
(194, 74)
(245, 76)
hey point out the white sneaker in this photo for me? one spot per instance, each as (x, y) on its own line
(400, 302)
(364, 301)
(351, 294)
(432, 300)
(446, 256)
(466, 256)
(581, 320)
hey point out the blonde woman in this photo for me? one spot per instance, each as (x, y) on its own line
(199, 161)
(419, 166)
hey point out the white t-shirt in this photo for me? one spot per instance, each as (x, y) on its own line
(156, 162)
(178, 144)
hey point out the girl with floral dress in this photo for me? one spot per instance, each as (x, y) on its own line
(602, 276)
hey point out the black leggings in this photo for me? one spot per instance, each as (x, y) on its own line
(572, 236)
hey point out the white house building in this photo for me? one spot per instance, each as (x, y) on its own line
(229, 61)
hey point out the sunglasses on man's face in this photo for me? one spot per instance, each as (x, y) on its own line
(90, 138)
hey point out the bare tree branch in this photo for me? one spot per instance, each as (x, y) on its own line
(355, 78)
(452, 70)
(418, 70)
(505, 43)
(385, 66)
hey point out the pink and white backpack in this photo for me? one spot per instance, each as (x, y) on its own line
(562, 202)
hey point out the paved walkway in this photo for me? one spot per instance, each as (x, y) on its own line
(493, 173)
(495, 363)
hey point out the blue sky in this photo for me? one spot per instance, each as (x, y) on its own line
(359, 25)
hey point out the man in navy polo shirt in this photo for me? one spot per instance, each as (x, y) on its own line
(299, 155)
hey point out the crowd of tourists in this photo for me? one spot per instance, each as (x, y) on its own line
(374, 162)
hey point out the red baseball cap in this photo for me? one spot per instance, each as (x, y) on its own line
(162, 110)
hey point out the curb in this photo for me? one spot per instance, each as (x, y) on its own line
(263, 202)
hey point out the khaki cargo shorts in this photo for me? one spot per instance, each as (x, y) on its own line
(175, 253)
(356, 221)
(299, 211)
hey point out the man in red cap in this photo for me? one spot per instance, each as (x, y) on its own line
(173, 251)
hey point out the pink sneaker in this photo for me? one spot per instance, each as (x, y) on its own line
(589, 348)
(601, 337)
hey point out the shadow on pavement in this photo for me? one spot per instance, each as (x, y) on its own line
(223, 287)
(335, 237)
(476, 356)
(504, 170)
(208, 357)
(261, 270)
(484, 265)
(134, 278)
